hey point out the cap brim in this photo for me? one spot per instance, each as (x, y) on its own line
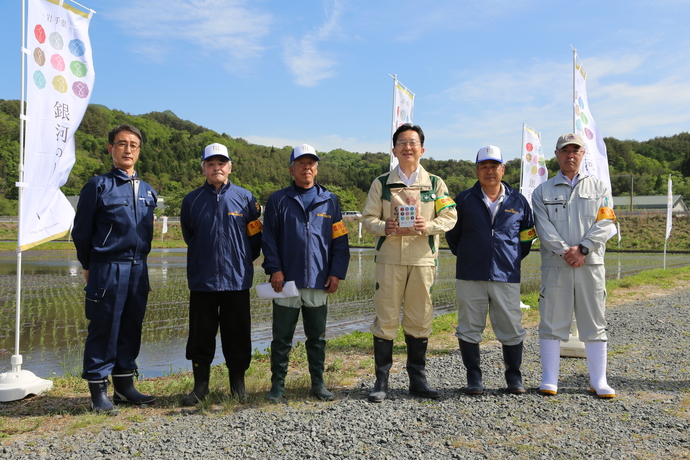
(310, 155)
(217, 156)
(570, 143)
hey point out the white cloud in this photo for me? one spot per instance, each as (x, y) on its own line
(640, 111)
(308, 64)
(322, 143)
(628, 101)
(229, 29)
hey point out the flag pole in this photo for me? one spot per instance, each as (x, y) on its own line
(19, 383)
(669, 215)
(391, 157)
(574, 94)
(574, 347)
(522, 157)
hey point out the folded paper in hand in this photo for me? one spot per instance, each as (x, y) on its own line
(265, 291)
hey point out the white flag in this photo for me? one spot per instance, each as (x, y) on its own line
(669, 208)
(595, 163)
(165, 224)
(403, 105)
(403, 108)
(534, 170)
(60, 78)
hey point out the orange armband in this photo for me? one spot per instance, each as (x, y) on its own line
(606, 213)
(254, 227)
(339, 229)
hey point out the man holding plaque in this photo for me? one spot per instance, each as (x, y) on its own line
(407, 209)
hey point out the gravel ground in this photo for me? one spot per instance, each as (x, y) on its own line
(649, 366)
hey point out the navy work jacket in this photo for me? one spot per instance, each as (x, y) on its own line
(111, 224)
(489, 251)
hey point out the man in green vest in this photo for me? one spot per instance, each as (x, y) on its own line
(406, 258)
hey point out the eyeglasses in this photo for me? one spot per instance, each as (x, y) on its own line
(571, 152)
(406, 143)
(123, 145)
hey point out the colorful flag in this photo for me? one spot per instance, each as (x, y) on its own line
(534, 170)
(59, 82)
(669, 208)
(595, 162)
(403, 108)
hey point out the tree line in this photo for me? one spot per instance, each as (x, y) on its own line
(171, 153)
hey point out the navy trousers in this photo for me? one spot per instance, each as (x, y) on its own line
(116, 296)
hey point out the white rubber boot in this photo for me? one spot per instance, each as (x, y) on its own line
(596, 363)
(550, 353)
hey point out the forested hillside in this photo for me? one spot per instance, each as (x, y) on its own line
(172, 147)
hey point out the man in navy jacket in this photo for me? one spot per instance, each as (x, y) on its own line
(305, 241)
(112, 233)
(494, 232)
(220, 224)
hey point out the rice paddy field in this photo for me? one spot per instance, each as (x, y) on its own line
(53, 326)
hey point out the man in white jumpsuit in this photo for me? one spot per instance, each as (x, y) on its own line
(574, 219)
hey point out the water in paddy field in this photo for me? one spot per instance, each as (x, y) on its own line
(53, 326)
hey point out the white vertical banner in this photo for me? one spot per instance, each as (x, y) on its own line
(403, 110)
(669, 215)
(669, 208)
(534, 170)
(595, 162)
(59, 83)
(165, 224)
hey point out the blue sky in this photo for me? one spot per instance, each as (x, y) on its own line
(278, 72)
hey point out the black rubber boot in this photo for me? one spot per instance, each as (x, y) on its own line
(512, 357)
(315, 331)
(202, 375)
(470, 358)
(416, 364)
(383, 360)
(99, 397)
(237, 389)
(125, 393)
(284, 322)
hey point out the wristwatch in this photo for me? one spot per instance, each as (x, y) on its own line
(583, 249)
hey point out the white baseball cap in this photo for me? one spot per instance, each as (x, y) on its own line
(215, 150)
(490, 152)
(301, 150)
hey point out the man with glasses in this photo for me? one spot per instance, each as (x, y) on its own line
(574, 218)
(406, 261)
(305, 241)
(493, 234)
(112, 233)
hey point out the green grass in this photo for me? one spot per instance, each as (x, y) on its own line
(659, 277)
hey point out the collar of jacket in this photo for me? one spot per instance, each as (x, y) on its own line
(423, 179)
(120, 174)
(222, 189)
(292, 190)
(477, 189)
(558, 179)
